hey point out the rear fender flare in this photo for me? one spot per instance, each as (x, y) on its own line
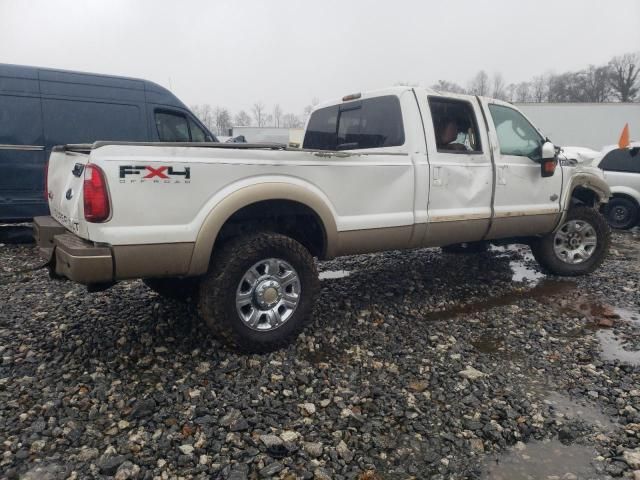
(250, 194)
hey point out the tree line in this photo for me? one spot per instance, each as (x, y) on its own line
(220, 120)
(616, 81)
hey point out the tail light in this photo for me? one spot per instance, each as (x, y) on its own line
(46, 180)
(95, 194)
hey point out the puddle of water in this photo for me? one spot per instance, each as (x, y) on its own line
(522, 273)
(575, 409)
(332, 274)
(613, 347)
(544, 289)
(488, 344)
(541, 460)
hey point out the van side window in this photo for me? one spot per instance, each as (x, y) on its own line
(172, 127)
(455, 126)
(20, 121)
(197, 134)
(516, 135)
(369, 123)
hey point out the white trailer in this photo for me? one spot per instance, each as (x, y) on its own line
(592, 125)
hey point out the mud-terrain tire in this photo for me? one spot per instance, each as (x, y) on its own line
(622, 213)
(467, 247)
(259, 292)
(578, 247)
(174, 288)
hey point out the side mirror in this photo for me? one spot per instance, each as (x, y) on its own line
(549, 160)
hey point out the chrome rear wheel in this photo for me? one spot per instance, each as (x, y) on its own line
(268, 294)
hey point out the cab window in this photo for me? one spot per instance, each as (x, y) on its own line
(455, 126)
(369, 123)
(516, 135)
(172, 127)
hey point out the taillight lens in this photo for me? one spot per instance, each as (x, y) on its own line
(95, 194)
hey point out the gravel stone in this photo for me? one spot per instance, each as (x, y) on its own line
(418, 364)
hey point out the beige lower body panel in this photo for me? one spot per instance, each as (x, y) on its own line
(353, 242)
(522, 226)
(156, 260)
(439, 234)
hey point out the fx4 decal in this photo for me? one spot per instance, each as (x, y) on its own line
(147, 173)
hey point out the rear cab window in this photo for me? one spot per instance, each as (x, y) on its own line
(363, 124)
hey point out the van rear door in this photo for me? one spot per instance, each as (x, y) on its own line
(22, 146)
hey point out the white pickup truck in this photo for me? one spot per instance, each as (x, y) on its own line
(396, 168)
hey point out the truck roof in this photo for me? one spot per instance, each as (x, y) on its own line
(396, 90)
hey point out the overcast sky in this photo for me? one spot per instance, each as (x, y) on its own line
(233, 53)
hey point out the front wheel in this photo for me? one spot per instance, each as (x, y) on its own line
(260, 291)
(578, 247)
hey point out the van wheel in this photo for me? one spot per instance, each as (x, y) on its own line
(467, 247)
(622, 213)
(174, 288)
(578, 247)
(259, 292)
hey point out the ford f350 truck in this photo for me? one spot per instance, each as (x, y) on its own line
(397, 168)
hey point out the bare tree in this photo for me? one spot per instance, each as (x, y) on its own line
(624, 76)
(446, 86)
(290, 120)
(479, 85)
(242, 119)
(497, 90)
(309, 108)
(540, 89)
(259, 113)
(205, 114)
(277, 115)
(223, 121)
(594, 84)
(523, 92)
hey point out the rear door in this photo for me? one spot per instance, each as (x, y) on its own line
(524, 203)
(22, 155)
(371, 187)
(460, 169)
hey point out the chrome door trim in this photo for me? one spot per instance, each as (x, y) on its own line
(22, 147)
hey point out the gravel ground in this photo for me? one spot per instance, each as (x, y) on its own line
(416, 365)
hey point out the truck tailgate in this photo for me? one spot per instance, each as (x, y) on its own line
(65, 178)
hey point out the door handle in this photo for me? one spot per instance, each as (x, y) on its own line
(437, 176)
(502, 174)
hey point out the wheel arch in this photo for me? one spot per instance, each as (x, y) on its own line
(251, 195)
(626, 192)
(586, 187)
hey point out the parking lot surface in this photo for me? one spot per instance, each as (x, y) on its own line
(417, 364)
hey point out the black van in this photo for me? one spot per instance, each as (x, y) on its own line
(41, 108)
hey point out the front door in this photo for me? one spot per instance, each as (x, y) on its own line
(525, 203)
(460, 170)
